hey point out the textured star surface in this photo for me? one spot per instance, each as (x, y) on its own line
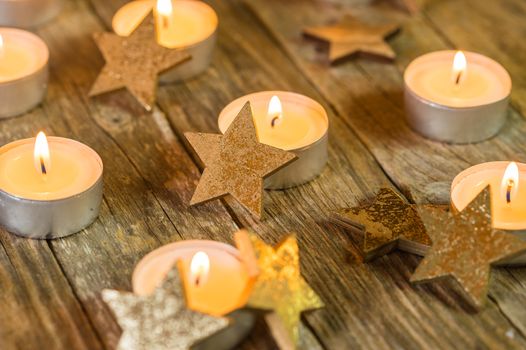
(386, 224)
(134, 63)
(280, 287)
(352, 36)
(236, 163)
(160, 321)
(465, 246)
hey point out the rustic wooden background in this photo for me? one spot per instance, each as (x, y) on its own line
(50, 290)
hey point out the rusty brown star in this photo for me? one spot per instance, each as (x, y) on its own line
(236, 163)
(465, 246)
(281, 289)
(386, 224)
(134, 62)
(352, 36)
(160, 321)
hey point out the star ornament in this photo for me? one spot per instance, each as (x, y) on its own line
(160, 321)
(386, 224)
(465, 246)
(134, 63)
(352, 36)
(280, 288)
(236, 163)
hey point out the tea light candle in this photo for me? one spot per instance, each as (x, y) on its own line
(27, 13)
(289, 121)
(182, 24)
(217, 280)
(456, 97)
(49, 187)
(23, 71)
(508, 194)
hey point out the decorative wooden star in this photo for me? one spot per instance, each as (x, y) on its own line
(352, 36)
(386, 224)
(236, 163)
(134, 62)
(281, 289)
(465, 246)
(160, 321)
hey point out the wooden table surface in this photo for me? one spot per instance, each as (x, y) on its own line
(50, 290)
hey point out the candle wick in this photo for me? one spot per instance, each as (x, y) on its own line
(459, 75)
(508, 191)
(165, 21)
(42, 166)
(197, 280)
(274, 120)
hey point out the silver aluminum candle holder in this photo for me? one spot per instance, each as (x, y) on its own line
(452, 124)
(27, 13)
(491, 173)
(49, 219)
(19, 95)
(200, 51)
(311, 158)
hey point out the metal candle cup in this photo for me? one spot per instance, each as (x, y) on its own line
(228, 285)
(467, 184)
(27, 13)
(450, 119)
(53, 218)
(200, 47)
(20, 93)
(312, 154)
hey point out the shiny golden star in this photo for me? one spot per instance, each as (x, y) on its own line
(160, 321)
(465, 246)
(134, 62)
(280, 287)
(352, 36)
(386, 224)
(236, 163)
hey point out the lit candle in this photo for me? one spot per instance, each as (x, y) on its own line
(27, 13)
(49, 188)
(218, 276)
(508, 192)
(180, 24)
(289, 121)
(457, 97)
(23, 71)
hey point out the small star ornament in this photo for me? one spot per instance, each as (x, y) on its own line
(280, 288)
(352, 36)
(465, 246)
(134, 63)
(386, 224)
(236, 163)
(160, 321)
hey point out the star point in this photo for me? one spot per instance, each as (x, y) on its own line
(236, 163)
(465, 246)
(134, 63)
(352, 36)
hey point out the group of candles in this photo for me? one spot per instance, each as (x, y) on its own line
(53, 187)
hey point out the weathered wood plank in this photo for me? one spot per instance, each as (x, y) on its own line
(369, 94)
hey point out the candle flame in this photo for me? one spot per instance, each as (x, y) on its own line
(1, 46)
(41, 157)
(275, 111)
(164, 9)
(510, 182)
(459, 67)
(199, 267)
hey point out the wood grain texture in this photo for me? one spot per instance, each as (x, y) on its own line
(51, 290)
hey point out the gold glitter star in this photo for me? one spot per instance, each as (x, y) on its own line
(134, 62)
(386, 224)
(352, 36)
(160, 321)
(465, 246)
(236, 163)
(280, 287)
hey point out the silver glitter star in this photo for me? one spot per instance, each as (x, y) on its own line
(160, 321)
